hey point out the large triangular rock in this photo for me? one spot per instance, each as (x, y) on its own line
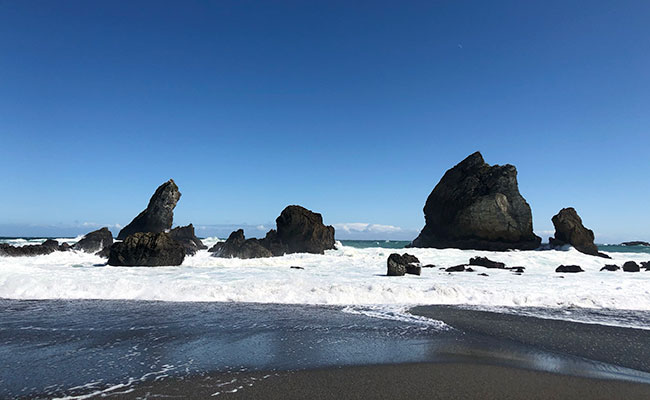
(478, 206)
(159, 214)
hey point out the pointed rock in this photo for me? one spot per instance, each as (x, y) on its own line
(570, 230)
(95, 241)
(159, 214)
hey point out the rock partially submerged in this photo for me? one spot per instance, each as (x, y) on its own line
(569, 268)
(456, 268)
(95, 241)
(398, 265)
(631, 266)
(159, 214)
(478, 206)
(47, 247)
(147, 249)
(486, 262)
(186, 236)
(237, 246)
(570, 230)
(299, 230)
(610, 267)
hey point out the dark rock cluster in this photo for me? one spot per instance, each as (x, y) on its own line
(478, 206)
(95, 241)
(186, 236)
(299, 230)
(47, 247)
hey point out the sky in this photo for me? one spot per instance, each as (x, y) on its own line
(351, 109)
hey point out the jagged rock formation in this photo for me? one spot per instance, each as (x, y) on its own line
(404, 264)
(299, 230)
(95, 241)
(147, 249)
(159, 214)
(186, 236)
(478, 206)
(570, 230)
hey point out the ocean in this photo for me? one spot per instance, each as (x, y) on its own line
(94, 329)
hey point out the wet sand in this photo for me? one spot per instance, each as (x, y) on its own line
(625, 347)
(401, 381)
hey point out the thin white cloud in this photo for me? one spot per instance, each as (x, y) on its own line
(358, 227)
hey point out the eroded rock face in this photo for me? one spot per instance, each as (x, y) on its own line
(95, 241)
(303, 231)
(570, 230)
(147, 249)
(478, 206)
(159, 214)
(186, 236)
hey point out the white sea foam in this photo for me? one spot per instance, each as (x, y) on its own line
(347, 276)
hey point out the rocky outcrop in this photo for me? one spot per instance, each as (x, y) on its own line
(610, 267)
(302, 231)
(570, 230)
(47, 247)
(186, 236)
(299, 230)
(398, 265)
(631, 266)
(478, 206)
(147, 249)
(456, 268)
(95, 241)
(569, 268)
(237, 246)
(159, 214)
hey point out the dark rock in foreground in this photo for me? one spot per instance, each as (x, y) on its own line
(610, 267)
(635, 243)
(646, 265)
(631, 266)
(237, 246)
(185, 235)
(570, 230)
(398, 265)
(159, 214)
(486, 262)
(148, 250)
(95, 241)
(456, 268)
(569, 268)
(478, 206)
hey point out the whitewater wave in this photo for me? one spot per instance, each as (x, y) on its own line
(347, 276)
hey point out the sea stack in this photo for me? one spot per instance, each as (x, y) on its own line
(478, 206)
(570, 230)
(95, 241)
(159, 214)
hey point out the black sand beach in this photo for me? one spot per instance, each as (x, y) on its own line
(403, 381)
(127, 349)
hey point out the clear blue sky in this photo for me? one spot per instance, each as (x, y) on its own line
(352, 109)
